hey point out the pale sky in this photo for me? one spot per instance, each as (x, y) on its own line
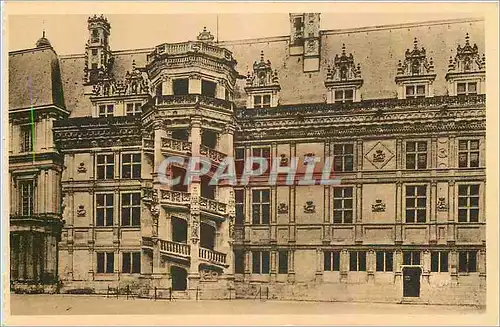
(68, 33)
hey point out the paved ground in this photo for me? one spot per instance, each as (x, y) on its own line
(99, 305)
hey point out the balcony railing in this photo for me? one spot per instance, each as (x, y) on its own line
(175, 197)
(169, 49)
(213, 206)
(169, 144)
(192, 99)
(176, 248)
(213, 256)
(212, 154)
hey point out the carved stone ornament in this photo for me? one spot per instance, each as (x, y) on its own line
(467, 59)
(263, 75)
(415, 63)
(209, 275)
(441, 204)
(309, 158)
(343, 68)
(309, 207)
(81, 168)
(81, 212)
(195, 225)
(379, 155)
(282, 208)
(283, 160)
(378, 206)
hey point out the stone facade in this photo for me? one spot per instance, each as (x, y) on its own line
(406, 132)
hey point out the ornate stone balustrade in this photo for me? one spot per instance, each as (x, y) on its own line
(213, 256)
(176, 248)
(169, 49)
(213, 206)
(436, 102)
(169, 144)
(193, 99)
(212, 154)
(175, 197)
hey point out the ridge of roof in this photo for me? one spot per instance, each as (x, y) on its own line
(31, 50)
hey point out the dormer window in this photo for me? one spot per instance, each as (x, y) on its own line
(415, 91)
(262, 101)
(343, 96)
(343, 79)
(415, 75)
(106, 110)
(94, 52)
(262, 85)
(465, 88)
(466, 72)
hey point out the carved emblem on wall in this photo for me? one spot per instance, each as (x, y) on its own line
(379, 155)
(309, 207)
(309, 158)
(442, 153)
(208, 274)
(283, 160)
(441, 204)
(81, 168)
(81, 212)
(282, 208)
(378, 206)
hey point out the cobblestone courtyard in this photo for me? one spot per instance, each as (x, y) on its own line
(100, 305)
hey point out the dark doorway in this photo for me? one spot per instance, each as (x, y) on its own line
(208, 88)
(180, 134)
(411, 281)
(179, 278)
(180, 173)
(179, 230)
(207, 236)
(181, 86)
(209, 138)
(207, 190)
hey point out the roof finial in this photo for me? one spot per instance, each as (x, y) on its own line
(343, 48)
(415, 43)
(466, 38)
(261, 55)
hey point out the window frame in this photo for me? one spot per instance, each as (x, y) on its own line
(415, 154)
(133, 164)
(108, 262)
(412, 256)
(106, 164)
(387, 264)
(31, 189)
(106, 112)
(261, 104)
(133, 221)
(283, 257)
(342, 156)
(468, 208)
(416, 208)
(105, 208)
(136, 108)
(239, 207)
(415, 88)
(331, 260)
(438, 262)
(261, 205)
(134, 262)
(342, 209)
(258, 261)
(239, 261)
(344, 98)
(26, 132)
(468, 152)
(262, 149)
(466, 84)
(357, 261)
(467, 267)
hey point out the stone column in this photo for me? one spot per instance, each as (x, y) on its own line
(426, 262)
(194, 84)
(273, 263)
(433, 213)
(319, 266)
(166, 86)
(451, 212)
(399, 213)
(371, 265)
(291, 266)
(482, 266)
(344, 265)
(453, 262)
(398, 261)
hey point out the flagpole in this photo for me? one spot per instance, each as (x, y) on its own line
(217, 28)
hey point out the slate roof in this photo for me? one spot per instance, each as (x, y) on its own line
(34, 78)
(376, 49)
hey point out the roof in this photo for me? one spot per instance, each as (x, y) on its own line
(34, 79)
(377, 50)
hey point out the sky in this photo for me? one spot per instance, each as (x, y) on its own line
(68, 33)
